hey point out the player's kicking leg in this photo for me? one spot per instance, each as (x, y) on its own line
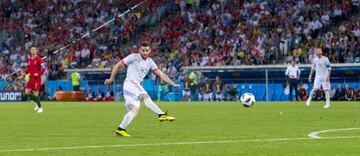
(152, 106)
(36, 98)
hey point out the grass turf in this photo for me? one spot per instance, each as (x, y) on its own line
(93, 124)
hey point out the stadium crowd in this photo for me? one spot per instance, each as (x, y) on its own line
(199, 33)
(183, 32)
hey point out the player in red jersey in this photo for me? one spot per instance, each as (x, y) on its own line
(35, 68)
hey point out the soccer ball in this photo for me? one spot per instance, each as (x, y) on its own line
(247, 99)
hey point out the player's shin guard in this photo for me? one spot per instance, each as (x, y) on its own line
(36, 99)
(127, 119)
(152, 106)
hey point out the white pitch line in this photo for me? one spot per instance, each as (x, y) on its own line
(174, 143)
(314, 135)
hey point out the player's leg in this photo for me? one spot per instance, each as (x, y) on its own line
(34, 86)
(326, 87)
(313, 91)
(184, 96)
(296, 90)
(36, 98)
(188, 94)
(291, 86)
(217, 97)
(206, 97)
(128, 118)
(152, 106)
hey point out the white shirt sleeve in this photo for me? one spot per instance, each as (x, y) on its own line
(129, 59)
(153, 67)
(287, 70)
(327, 64)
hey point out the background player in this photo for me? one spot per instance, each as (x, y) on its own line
(219, 89)
(138, 66)
(322, 67)
(35, 69)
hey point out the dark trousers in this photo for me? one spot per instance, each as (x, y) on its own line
(293, 85)
(76, 88)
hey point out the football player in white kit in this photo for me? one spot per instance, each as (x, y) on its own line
(322, 67)
(138, 66)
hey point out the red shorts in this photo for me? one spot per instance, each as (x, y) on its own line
(33, 84)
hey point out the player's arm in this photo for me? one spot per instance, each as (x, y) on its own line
(114, 71)
(42, 68)
(166, 78)
(287, 71)
(328, 67)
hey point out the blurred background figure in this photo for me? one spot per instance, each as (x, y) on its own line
(58, 91)
(186, 94)
(219, 89)
(293, 73)
(75, 78)
(303, 93)
(208, 90)
(339, 93)
(349, 93)
(357, 94)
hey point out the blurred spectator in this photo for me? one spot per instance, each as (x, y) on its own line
(58, 90)
(303, 93)
(232, 93)
(339, 94)
(219, 88)
(349, 93)
(75, 78)
(320, 95)
(208, 90)
(186, 94)
(357, 94)
(99, 95)
(163, 86)
(109, 95)
(90, 95)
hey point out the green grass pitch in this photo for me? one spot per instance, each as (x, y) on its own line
(213, 128)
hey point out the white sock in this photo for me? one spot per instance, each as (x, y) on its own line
(311, 95)
(152, 106)
(127, 119)
(327, 97)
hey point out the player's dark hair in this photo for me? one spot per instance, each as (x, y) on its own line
(34, 46)
(145, 44)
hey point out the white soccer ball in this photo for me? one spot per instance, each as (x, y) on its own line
(247, 99)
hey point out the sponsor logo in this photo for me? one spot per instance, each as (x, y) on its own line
(10, 96)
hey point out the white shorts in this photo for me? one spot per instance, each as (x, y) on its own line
(208, 96)
(186, 93)
(324, 84)
(132, 92)
(219, 96)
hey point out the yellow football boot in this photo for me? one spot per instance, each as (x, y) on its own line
(122, 133)
(166, 117)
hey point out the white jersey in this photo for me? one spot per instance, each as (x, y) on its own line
(137, 67)
(293, 71)
(321, 67)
